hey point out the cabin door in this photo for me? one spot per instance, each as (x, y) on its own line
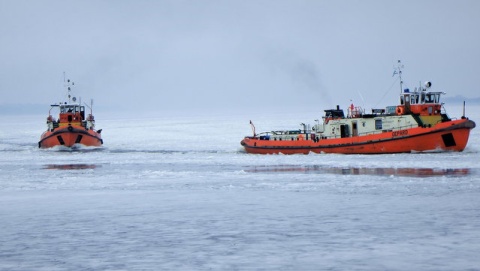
(344, 131)
(354, 128)
(407, 103)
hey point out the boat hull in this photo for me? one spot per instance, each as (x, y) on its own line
(69, 136)
(446, 136)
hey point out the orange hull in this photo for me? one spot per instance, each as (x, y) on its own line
(447, 136)
(69, 136)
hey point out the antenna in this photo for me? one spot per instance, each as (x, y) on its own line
(90, 106)
(68, 90)
(67, 84)
(399, 71)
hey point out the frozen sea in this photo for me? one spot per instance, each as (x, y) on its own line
(179, 193)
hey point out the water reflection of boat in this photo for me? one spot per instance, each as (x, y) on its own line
(70, 166)
(380, 171)
(417, 124)
(72, 126)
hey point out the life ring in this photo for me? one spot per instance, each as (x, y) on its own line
(399, 110)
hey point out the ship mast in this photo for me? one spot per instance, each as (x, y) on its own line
(399, 71)
(67, 85)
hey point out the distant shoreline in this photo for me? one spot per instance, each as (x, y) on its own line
(31, 109)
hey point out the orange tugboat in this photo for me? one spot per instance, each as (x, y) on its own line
(417, 124)
(72, 127)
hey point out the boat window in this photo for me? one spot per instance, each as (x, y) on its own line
(437, 98)
(402, 100)
(391, 109)
(429, 98)
(414, 99)
(67, 109)
(378, 124)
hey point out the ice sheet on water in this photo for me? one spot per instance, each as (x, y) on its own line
(181, 194)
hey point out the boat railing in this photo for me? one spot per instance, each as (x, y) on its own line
(369, 133)
(355, 111)
(278, 135)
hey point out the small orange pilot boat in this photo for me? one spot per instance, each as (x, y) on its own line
(417, 124)
(71, 128)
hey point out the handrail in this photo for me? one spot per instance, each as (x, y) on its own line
(369, 133)
(321, 135)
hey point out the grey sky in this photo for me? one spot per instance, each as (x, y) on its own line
(242, 54)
